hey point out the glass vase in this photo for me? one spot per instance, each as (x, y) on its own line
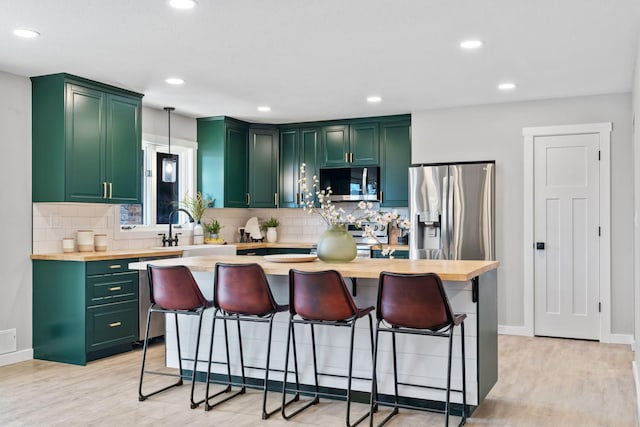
(198, 234)
(336, 245)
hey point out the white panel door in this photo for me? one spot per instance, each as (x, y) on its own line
(566, 181)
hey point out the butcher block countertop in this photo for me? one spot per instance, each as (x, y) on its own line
(153, 252)
(360, 267)
(107, 255)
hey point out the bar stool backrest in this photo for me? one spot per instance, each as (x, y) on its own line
(320, 295)
(242, 289)
(413, 301)
(174, 288)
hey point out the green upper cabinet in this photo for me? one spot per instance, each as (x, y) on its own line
(395, 147)
(297, 146)
(86, 141)
(335, 145)
(364, 144)
(355, 144)
(223, 148)
(289, 168)
(263, 167)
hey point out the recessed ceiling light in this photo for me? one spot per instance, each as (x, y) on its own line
(264, 109)
(182, 4)
(174, 81)
(506, 86)
(471, 44)
(374, 99)
(27, 34)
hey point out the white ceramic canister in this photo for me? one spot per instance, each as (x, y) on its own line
(85, 240)
(68, 244)
(100, 242)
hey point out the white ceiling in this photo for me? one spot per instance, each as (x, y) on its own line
(320, 59)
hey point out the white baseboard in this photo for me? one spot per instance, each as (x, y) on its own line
(622, 339)
(16, 356)
(513, 330)
(637, 383)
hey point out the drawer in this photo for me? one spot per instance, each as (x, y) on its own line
(109, 266)
(111, 325)
(112, 288)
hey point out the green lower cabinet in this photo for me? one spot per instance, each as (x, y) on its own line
(273, 251)
(398, 254)
(83, 311)
(112, 325)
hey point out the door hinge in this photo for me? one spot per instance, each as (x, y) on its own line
(598, 154)
(599, 307)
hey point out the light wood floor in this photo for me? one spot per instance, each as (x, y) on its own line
(542, 382)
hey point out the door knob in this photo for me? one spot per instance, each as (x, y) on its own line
(540, 246)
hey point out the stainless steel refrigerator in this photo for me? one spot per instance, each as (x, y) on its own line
(452, 211)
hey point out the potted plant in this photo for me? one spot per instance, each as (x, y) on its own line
(196, 205)
(212, 228)
(270, 225)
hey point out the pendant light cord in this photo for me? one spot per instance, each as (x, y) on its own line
(169, 110)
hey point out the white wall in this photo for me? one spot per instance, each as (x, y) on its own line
(154, 122)
(636, 162)
(494, 132)
(15, 213)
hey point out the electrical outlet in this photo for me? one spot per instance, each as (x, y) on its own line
(8, 341)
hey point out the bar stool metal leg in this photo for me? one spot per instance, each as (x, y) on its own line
(207, 398)
(141, 396)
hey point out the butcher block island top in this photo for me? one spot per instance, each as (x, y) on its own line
(360, 267)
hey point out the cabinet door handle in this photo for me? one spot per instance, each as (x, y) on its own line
(104, 189)
(111, 190)
(115, 324)
(275, 199)
(346, 157)
(115, 266)
(381, 198)
(350, 157)
(115, 288)
(248, 199)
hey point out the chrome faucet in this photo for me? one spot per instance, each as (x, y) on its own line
(173, 240)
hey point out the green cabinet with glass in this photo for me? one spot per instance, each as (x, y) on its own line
(86, 141)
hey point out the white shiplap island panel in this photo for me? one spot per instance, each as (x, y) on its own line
(470, 285)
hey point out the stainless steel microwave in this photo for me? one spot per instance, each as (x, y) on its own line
(351, 184)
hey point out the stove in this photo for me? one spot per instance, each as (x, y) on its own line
(363, 244)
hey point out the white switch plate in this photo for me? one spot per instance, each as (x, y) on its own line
(8, 341)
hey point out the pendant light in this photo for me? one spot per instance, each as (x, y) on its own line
(169, 164)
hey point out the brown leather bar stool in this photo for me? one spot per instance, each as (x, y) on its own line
(416, 304)
(173, 290)
(322, 298)
(242, 293)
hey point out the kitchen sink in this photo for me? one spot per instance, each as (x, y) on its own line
(199, 250)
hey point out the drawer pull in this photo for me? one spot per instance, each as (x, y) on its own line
(115, 266)
(115, 324)
(115, 288)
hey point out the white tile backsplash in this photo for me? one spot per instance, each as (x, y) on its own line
(54, 221)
